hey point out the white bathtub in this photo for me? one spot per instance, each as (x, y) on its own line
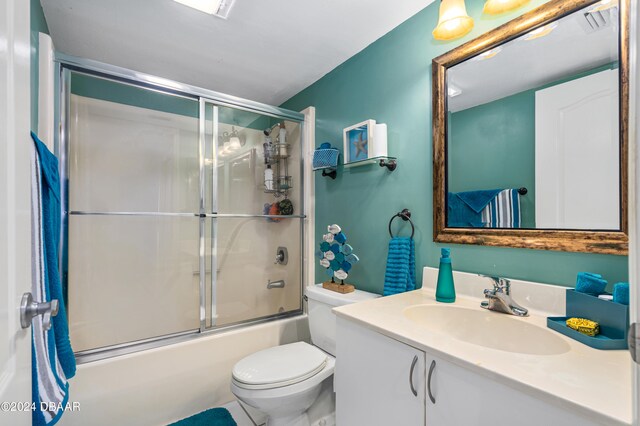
(160, 386)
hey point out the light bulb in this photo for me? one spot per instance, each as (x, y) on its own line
(489, 54)
(234, 143)
(453, 21)
(604, 5)
(541, 32)
(496, 7)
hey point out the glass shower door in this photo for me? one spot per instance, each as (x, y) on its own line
(182, 216)
(252, 220)
(133, 232)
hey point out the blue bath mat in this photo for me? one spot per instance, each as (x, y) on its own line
(211, 417)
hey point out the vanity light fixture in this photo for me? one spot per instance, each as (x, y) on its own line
(228, 143)
(219, 8)
(234, 140)
(453, 91)
(488, 54)
(496, 7)
(540, 32)
(453, 21)
(226, 149)
(234, 143)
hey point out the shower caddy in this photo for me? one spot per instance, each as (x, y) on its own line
(276, 156)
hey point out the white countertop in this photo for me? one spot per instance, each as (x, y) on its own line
(597, 383)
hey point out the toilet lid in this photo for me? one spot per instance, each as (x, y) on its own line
(280, 365)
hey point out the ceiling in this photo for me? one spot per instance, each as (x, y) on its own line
(266, 51)
(572, 47)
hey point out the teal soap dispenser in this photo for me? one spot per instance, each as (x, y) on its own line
(445, 290)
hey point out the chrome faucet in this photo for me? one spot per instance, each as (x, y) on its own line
(499, 298)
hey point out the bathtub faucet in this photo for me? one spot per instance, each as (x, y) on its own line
(275, 284)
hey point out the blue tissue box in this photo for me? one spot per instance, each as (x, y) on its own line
(613, 319)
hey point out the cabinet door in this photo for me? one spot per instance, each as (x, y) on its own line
(463, 397)
(378, 381)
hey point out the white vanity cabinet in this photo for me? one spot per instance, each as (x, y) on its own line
(378, 380)
(378, 383)
(463, 397)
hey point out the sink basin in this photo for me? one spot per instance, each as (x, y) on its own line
(489, 329)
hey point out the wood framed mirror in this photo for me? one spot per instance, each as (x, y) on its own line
(530, 132)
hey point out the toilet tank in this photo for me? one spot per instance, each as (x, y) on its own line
(322, 322)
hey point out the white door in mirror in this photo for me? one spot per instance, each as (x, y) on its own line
(578, 154)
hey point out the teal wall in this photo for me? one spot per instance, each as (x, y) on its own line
(112, 91)
(106, 90)
(390, 81)
(38, 25)
(493, 146)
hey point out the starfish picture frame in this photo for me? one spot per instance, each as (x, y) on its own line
(359, 141)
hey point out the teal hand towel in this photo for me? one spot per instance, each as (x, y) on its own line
(400, 275)
(621, 293)
(590, 283)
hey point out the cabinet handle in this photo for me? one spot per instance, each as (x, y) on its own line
(431, 368)
(413, 367)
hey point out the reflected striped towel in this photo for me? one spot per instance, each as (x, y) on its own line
(503, 211)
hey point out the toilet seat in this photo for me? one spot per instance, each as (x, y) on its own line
(245, 394)
(279, 366)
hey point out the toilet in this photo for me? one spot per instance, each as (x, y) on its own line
(284, 381)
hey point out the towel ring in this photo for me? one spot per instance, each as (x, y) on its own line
(405, 215)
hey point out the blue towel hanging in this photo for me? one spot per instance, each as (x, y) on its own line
(53, 361)
(465, 208)
(492, 208)
(400, 275)
(503, 211)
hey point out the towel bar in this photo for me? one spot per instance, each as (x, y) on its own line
(405, 215)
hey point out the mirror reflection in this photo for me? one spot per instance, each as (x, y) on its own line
(533, 136)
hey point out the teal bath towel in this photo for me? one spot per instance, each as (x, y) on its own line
(401, 266)
(211, 417)
(465, 208)
(52, 358)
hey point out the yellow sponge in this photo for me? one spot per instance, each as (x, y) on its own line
(584, 326)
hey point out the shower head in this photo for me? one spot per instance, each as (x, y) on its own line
(268, 131)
